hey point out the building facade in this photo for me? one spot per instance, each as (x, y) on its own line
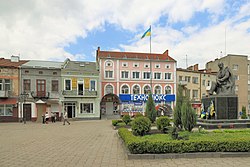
(196, 84)
(9, 88)
(240, 67)
(40, 89)
(81, 89)
(126, 80)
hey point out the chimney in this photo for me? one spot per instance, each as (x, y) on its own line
(14, 58)
(196, 67)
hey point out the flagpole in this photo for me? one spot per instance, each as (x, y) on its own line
(151, 74)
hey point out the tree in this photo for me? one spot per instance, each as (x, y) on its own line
(150, 109)
(177, 109)
(244, 114)
(188, 115)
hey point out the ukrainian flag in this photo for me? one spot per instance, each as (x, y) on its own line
(147, 33)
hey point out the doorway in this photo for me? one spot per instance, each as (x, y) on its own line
(80, 88)
(27, 111)
(70, 108)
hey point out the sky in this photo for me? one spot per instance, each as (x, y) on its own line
(194, 31)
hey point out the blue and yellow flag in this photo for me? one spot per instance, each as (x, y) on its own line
(147, 33)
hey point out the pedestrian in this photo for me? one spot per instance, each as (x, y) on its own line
(43, 117)
(47, 118)
(53, 117)
(65, 118)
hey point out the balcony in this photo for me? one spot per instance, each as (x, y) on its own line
(183, 83)
(77, 93)
(40, 95)
(4, 93)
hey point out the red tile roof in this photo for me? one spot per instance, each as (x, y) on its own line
(133, 55)
(7, 63)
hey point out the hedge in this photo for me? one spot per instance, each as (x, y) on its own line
(141, 145)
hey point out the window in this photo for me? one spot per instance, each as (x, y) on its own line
(167, 66)
(136, 89)
(146, 75)
(54, 73)
(124, 75)
(195, 94)
(6, 110)
(92, 85)
(203, 82)
(208, 83)
(157, 75)
(147, 89)
(187, 78)
(7, 84)
(86, 108)
(235, 66)
(180, 78)
(136, 75)
(26, 71)
(54, 86)
(157, 90)
(108, 74)
(26, 85)
(167, 90)
(40, 72)
(67, 84)
(135, 64)
(41, 87)
(1, 84)
(108, 63)
(109, 89)
(195, 80)
(157, 66)
(168, 76)
(125, 89)
(124, 64)
(188, 92)
(146, 65)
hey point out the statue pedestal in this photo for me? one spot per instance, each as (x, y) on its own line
(226, 107)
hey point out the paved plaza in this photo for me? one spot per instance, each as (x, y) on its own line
(83, 143)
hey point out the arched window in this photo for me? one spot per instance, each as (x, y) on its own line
(108, 63)
(109, 89)
(136, 89)
(146, 89)
(125, 89)
(167, 90)
(157, 90)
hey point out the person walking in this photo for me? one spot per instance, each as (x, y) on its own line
(65, 118)
(47, 118)
(53, 117)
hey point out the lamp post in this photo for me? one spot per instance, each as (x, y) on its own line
(22, 99)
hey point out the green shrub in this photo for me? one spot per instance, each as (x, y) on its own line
(211, 142)
(139, 115)
(126, 119)
(177, 110)
(188, 115)
(116, 121)
(244, 114)
(163, 123)
(141, 126)
(150, 109)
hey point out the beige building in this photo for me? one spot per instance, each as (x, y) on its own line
(239, 66)
(195, 83)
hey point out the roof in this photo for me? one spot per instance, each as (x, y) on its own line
(83, 66)
(42, 64)
(134, 55)
(8, 63)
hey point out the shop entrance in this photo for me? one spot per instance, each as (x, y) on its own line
(70, 108)
(110, 106)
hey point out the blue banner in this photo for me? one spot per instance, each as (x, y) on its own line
(144, 97)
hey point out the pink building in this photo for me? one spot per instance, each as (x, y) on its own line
(126, 80)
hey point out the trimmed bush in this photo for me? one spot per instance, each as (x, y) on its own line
(126, 119)
(116, 121)
(211, 142)
(141, 126)
(244, 114)
(139, 115)
(163, 123)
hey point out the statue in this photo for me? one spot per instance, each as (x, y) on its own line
(225, 83)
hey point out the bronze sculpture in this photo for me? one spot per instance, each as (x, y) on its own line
(225, 83)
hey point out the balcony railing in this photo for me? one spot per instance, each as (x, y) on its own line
(77, 93)
(4, 93)
(40, 95)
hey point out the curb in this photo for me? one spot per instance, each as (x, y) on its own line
(181, 155)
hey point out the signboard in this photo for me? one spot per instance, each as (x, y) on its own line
(144, 97)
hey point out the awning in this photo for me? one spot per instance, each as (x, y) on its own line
(8, 101)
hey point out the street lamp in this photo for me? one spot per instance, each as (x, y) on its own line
(22, 98)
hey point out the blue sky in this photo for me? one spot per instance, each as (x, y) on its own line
(60, 29)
